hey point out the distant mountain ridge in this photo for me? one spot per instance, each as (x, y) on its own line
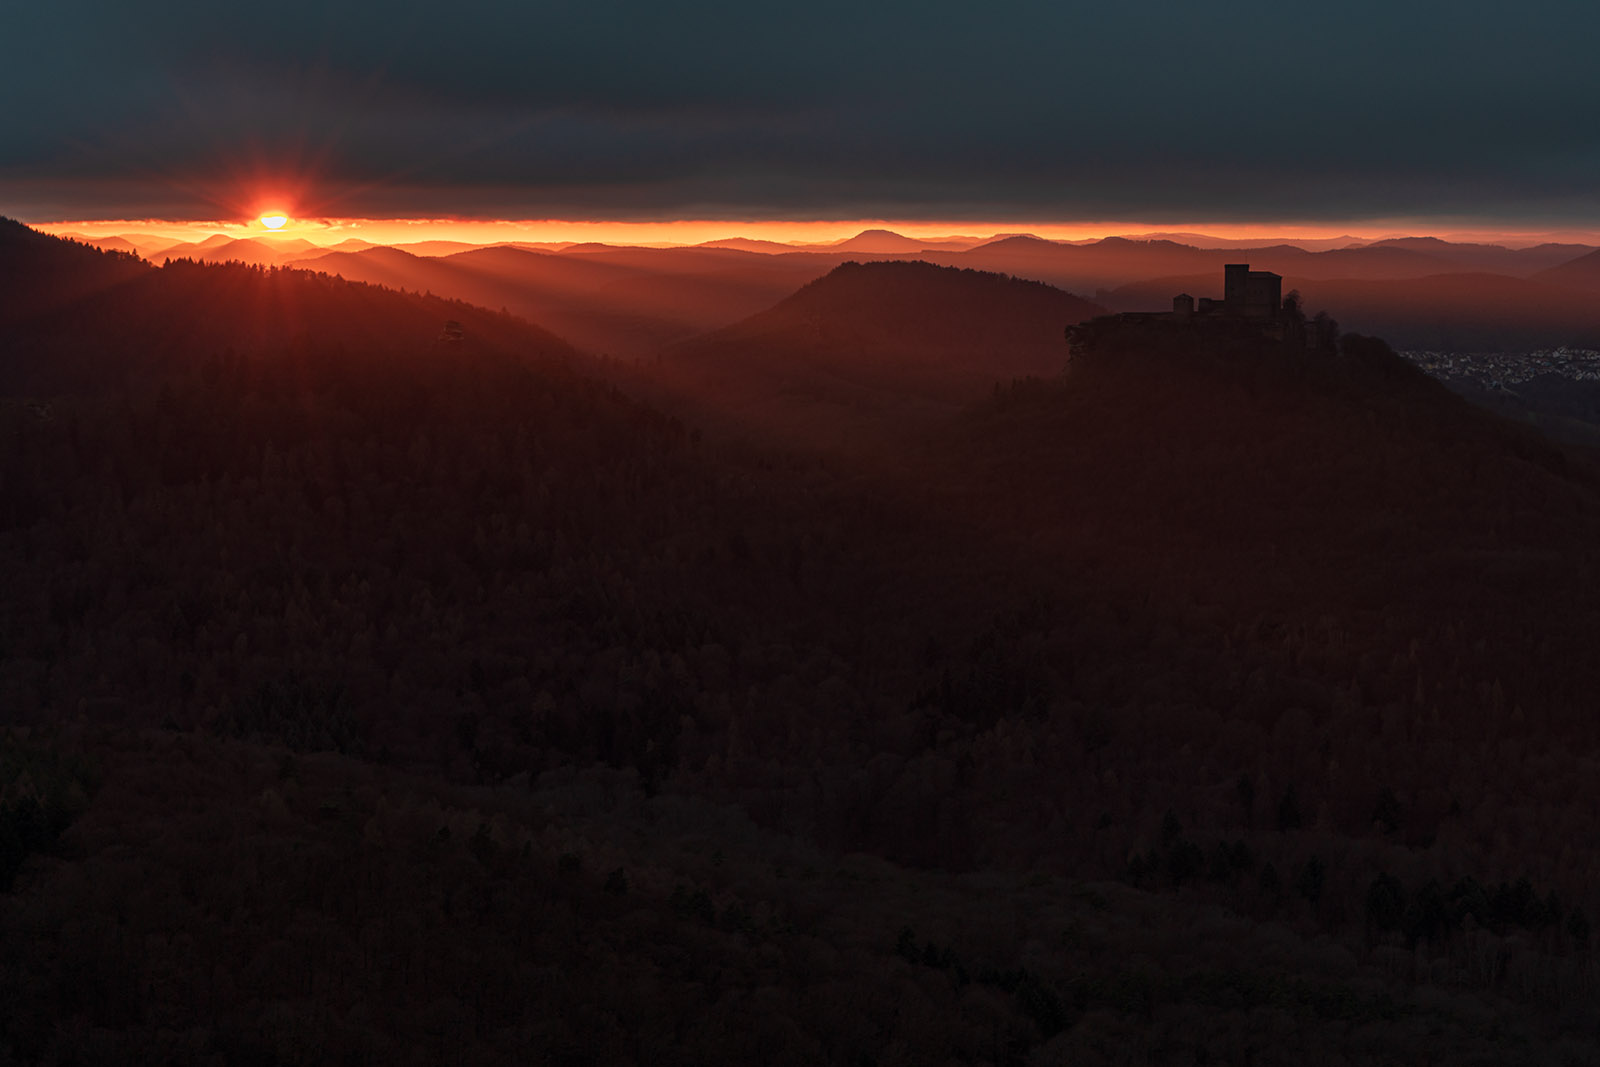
(1581, 272)
(629, 302)
(625, 303)
(887, 241)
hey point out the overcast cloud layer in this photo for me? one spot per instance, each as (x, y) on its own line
(1233, 111)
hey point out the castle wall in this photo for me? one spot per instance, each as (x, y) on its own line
(1263, 295)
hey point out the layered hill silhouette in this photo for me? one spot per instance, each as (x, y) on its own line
(110, 320)
(1488, 258)
(876, 343)
(887, 242)
(1441, 295)
(1117, 261)
(1582, 272)
(106, 244)
(257, 251)
(747, 244)
(39, 273)
(625, 303)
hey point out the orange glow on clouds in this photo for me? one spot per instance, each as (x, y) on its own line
(331, 231)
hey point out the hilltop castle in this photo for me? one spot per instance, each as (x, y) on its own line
(1246, 294)
(1252, 300)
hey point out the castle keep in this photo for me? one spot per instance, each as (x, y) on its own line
(1246, 294)
(1252, 301)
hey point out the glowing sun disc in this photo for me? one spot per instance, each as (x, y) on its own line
(274, 222)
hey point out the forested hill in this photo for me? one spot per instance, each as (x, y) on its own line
(986, 326)
(1361, 580)
(114, 320)
(871, 348)
(40, 273)
(1220, 471)
(373, 693)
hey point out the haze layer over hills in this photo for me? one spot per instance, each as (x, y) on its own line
(630, 303)
(868, 676)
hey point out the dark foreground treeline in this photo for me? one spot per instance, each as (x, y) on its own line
(419, 700)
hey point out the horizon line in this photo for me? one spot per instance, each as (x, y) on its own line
(800, 234)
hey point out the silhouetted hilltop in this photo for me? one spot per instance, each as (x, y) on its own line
(435, 248)
(872, 345)
(916, 305)
(1018, 242)
(984, 325)
(676, 260)
(258, 251)
(1582, 272)
(1489, 258)
(1087, 267)
(189, 249)
(746, 244)
(1204, 240)
(39, 273)
(349, 244)
(87, 321)
(881, 242)
(1215, 469)
(105, 244)
(1555, 253)
(1115, 261)
(1372, 261)
(621, 302)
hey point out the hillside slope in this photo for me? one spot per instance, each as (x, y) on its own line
(1581, 273)
(39, 273)
(877, 343)
(623, 303)
(158, 320)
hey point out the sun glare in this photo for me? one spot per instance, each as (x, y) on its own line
(274, 222)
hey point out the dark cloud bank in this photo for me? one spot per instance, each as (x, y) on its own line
(1232, 111)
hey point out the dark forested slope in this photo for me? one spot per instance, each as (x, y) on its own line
(39, 273)
(1361, 589)
(435, 699)
(115, 323)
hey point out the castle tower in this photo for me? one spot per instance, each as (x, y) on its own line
(1235, 287)
(1251, 294)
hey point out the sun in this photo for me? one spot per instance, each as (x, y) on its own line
(274, 221)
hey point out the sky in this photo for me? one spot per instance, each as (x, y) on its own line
(1457, 115)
